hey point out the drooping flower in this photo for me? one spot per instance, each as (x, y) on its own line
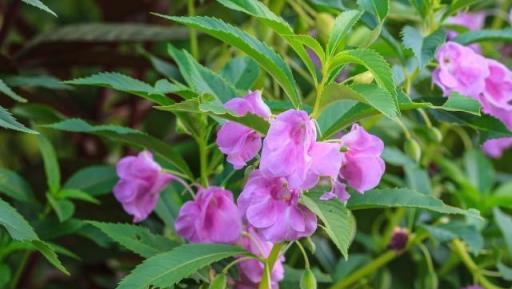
(474, 21)
(251, 271)
(399, 239)
(141, 181)
(212, 217)
(496, 98)
(460, 70)
(495, 147)
(237, 141)
(273, 209)
(362, 165)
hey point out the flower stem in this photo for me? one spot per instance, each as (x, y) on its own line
(203, 161)
(193, 33)
(269, 264)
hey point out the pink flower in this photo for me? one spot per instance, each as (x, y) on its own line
(326, 160)
(460, 70)
(273, 208)
(472, 21)
(140, 184)
(496, 99)
(495, 147)
(362, 166)
(251, 270)
(237, 141)
(211, 218)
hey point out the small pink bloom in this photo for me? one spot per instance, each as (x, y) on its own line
(495, 147)
(211, 218)
(251, 270)
(326, 160)
(460, 70)
(237, 141)
(273, 208)
(496, 99)
(140, 184)
(473, 21)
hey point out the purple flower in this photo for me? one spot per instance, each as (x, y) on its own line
(326, 160)
(237, 141)
(399, 239)
(362, 165)
(496, 99)
(495, 147)
(251, 270)
(272, 207)
(460, 70)
(212, 217)
(140, 184)
(472, 21)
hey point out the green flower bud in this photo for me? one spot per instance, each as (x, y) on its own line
(324, 25)
(219, 282)
(413, 149)
(308, 280)
(435, 135)
(364, 78)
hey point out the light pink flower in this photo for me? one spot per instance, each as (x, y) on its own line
(237, 141)
(496, 99)
(495, 147)
(474, 21)
(460, 70)
(272, 207)
(251, 270)
(141, 181)
(212, 217)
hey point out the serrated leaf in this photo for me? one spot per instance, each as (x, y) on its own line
(130, 136)
(137, 239)
(10, 93)
(484, 35)
(62, 207)
(401, 197)
(242, 72)
(256, 49)
(51, 165)
(123, 83)
(15, 223)
(168, 268)
(75, 194)
(479, 170)
(8, 121)
(14, 186)
(504, 222)
(457, 102)
(456, 5)
(342, 26)
(44, 81)
(506, 272)
(201, 79)
(379, 8)
(424, 48)
(49, 254)
(95, 180)
(40, 5)
(38, 113)
(338, 221)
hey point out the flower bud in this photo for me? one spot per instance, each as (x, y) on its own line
(435, 135)
(308, 280)
(413, 149)
(324, 25)
(363, 78)
(219, 282)
(399, 239)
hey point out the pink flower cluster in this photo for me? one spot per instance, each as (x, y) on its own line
(463, 70)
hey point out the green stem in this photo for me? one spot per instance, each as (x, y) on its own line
(203, 161)
(193, 33)
(306, 260)
(269, 264)
(19, 271)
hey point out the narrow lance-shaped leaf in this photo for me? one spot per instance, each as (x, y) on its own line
(424, 48)
(242, 72)
(8, 121)
(484, 35)
(14, 186)
(40, 5)
(51, 165)
(342, 26)
(9, 92)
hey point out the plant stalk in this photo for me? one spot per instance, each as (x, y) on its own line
(269, 264)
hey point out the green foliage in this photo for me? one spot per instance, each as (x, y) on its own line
(40, 5)
(8, 121)
(14, 186)
(344, 23)
(504, 222)
(242, 72)
(95, 180)
(9, 92)
(484, 35)
(379, 8)
(51, 165)
(424, 48)
(15, 224)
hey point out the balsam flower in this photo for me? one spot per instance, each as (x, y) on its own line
(251, 271)
(140, 184)
(496, 98)
(460, 70)
(237, 141)
(273, 209)
(473, 21)
(495, 147)
(212, 217)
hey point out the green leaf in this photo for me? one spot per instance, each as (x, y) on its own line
(123, 83)
(49, 254)
(338, 221)
(490, 127)
(38, 113)
(15, 224)
(424, 48)
(379, 8)
(342, 26)
(201, 79)
(40, 5)
(14, 186)
(168, 268)
(44, 81)
(5, 275)
(256, 49)
(137, 239)
(456, 5)
(374, 62)
(484, 35)
(479, 170)
(169, 205)
(95, 180)
(506, 272)
(51, 165)
(242, 72)
(400, 197)
(504, 222)
(378, 98)
(62, 207)
(130, 136)
(457, 102)
(9, 92)
(8, 121)
(75, 194)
